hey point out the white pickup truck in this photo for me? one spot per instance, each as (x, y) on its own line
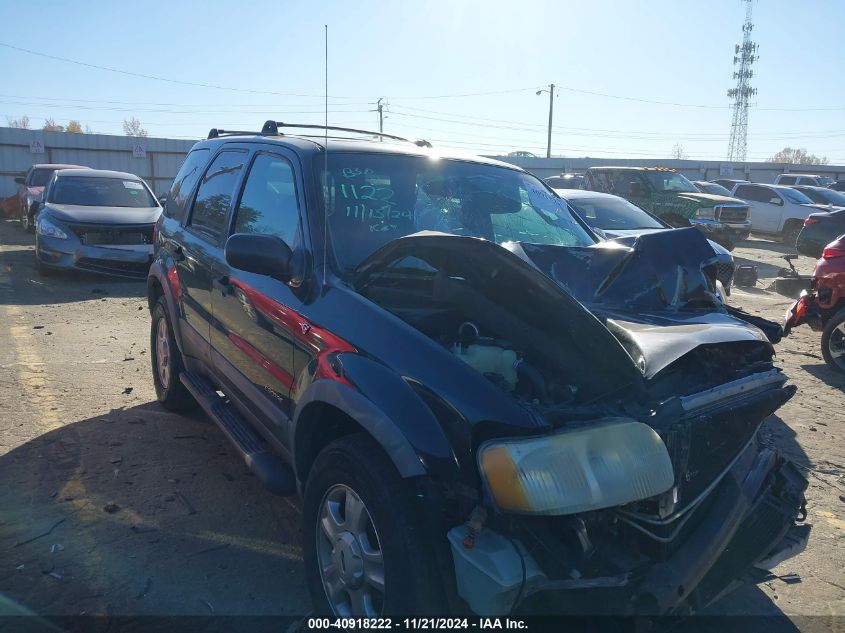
(777, 209)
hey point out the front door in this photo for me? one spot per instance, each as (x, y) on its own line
(255, 315)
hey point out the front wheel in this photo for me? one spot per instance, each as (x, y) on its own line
(366, 553)
(833, 342)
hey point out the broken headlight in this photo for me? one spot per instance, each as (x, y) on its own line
(705, 213)
(48, 229)
(609, 463)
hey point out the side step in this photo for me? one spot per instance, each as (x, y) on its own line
(276, 475)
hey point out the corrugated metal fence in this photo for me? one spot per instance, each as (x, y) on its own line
(156, 160)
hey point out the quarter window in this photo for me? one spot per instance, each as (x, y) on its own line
(214, 197)
(268, 204)
(183, 184)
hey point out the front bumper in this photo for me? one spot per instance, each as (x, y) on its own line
(71, 254)
(749, 519)
(723, 232)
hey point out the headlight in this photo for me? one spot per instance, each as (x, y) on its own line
(705, 213)
(48, 229)
(609, 463)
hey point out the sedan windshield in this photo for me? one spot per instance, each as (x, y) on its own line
(101, 192)
(375, 198)
(612, 213)
(795, 196)
(825, 196)
(669, 181)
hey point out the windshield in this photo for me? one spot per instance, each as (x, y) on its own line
(40, 177)
(101, 192)
(824, 181)
(613, 213)
(375, 198)
(714, 188)
(825, 196)
(669, 181)
(795, 196)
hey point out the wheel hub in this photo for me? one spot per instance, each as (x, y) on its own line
(346, 554)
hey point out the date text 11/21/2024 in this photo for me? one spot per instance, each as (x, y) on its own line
(417, 624)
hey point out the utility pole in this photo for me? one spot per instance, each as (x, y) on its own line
(380, 109)
(551, 92)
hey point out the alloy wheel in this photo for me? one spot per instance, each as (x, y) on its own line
(836, 345)
(163, 353)
(349, 554)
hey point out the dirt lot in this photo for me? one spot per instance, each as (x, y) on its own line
(110, 505)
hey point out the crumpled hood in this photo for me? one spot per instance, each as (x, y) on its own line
(661, 339)
(103, 215)
(710, 199)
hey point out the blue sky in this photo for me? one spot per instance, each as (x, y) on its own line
(421, 55)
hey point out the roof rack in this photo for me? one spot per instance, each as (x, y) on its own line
(215, 132)
(272, 128)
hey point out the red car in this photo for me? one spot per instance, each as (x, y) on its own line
(30, 188)
(823, 306)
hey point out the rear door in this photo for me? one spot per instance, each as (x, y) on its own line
(202, 239)
(255, 316)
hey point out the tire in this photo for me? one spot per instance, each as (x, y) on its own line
(170, 391)
(833, 336)
(790, 233)
(353, 470)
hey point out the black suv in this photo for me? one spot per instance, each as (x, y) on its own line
(482, 406)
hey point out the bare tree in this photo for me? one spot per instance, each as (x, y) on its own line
(797, 156)
(74, 127)
(88, 129)
(132, 127)
(21, 123)
(678, 152)
(51, 126)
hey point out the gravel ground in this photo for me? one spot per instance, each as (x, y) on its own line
(111, 505)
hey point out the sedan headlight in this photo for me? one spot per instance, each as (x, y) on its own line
(609, 463)
(705, 213)
(48, 229)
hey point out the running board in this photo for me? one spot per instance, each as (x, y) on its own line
(276, 475)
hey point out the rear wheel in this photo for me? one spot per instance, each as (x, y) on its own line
(366, 554)
(833, 342)
(167, 362)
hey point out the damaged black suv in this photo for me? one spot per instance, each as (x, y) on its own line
(484, 408)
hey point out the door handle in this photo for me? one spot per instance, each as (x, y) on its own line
(223, 285)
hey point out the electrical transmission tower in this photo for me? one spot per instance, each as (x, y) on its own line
(745, 55)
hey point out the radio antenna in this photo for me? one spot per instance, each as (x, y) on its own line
(326, 165)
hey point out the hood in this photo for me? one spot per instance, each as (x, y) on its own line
(613, 234)
(710, 199)
(35, 192)
(103, 215)
(657, 340)
(628, 236)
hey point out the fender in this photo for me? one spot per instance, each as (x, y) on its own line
(159, 273)
(386, 406)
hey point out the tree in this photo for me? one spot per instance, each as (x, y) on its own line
(22, 123)
(51, 126)
(798, 157)
(678, 152)
(74, 127)
(132, 127)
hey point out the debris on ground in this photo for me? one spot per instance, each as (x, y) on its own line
(111, 508)
(127, 390)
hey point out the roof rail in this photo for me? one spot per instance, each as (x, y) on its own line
(215, 132)
(272, 128)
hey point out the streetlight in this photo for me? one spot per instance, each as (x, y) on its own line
(551, 92)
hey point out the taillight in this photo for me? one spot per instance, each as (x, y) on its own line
(830, 252)
(811, 221)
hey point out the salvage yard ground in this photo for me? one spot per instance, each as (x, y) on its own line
(111, 505)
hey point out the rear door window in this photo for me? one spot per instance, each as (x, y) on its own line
(786, 180)
(183, 184)
(214, 196)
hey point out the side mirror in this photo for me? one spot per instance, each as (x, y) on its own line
(635, 189)
(260, 254)
(19, 180)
